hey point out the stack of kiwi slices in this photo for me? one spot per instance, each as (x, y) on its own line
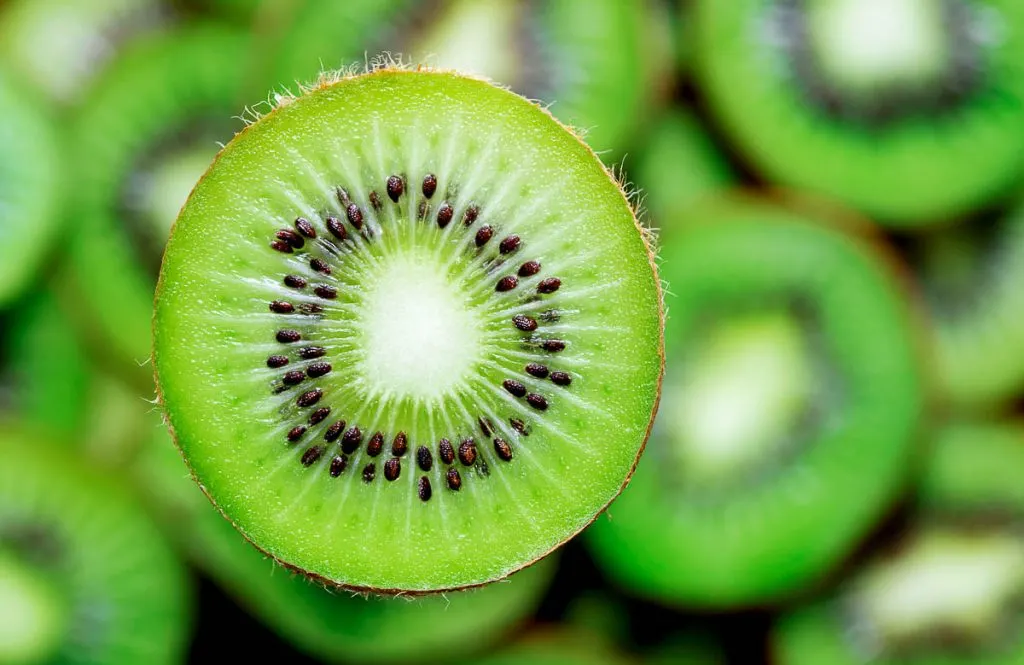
(85, 577)
(950, 591)
(408, 332)
(910, 110)
(790, 412)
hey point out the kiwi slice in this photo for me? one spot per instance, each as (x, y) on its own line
(29, 186)
(909, 110)
(950, 591)
(555, 648)
(397, 304)
(85, 577)
(325, 623)
(791, 404)
(544, 50)
(145, 133)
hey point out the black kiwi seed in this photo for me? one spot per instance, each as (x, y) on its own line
(422, 210)
(309, 398)
(286, 336)
(467, 452)
(429, 185)
(561, 378)
(320, 266)
(295, 433)
(483, 234)
(326, 292)
(514, 387)
(281, 307)
(338, 465)
(311, 455)
(537, 370)
(395, 187)
(304, 227)
(519, 426)
(553, 345)
(369, 471)
(509, 244)
(294, 281)
(424, 489)
(310, 308)
(529, 269)
(524, 323)
(316, 370)
(319, 415)
(502, 448)
(351, 440)
(444, 214)
(281, 246)
(537, 401)
(334, 431)
(291, 237)
(293, 378)
(549, 285)
(336, 228)
(472, 212)
(376, 444)
(424, 459)
(354, 215)
(506, 283)
(310, 352)
(392, 468)
(400, 445)
(274, 362)
(486, 426)
(375, 200)
(454, 479)
(445, 451)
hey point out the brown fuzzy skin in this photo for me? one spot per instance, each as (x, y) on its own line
(386, 65)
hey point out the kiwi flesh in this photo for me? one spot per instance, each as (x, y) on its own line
(86, 576)
(949, 591)
(29, 187)
(398, 302)
(789, 417)
(911, 111)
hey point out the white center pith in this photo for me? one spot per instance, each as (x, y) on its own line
(422, 339)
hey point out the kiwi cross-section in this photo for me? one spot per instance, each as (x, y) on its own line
(408, 332)
(85, 576)
(910, 110)
(949, 592)
(789, 415)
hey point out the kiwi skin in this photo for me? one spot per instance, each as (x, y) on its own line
(387, 66)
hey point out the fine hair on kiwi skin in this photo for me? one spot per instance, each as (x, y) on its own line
(479, 449)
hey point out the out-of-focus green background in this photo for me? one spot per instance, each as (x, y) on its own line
(836, 471)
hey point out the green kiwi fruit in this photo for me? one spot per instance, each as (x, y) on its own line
(326, 623)
(791, 406)
(553, 647)
(29, 187)
(58, 46)
(969, 276)
(910, 110)
(548, 51)
(949, 591)
(146, 131)
(397, 304)
(85, 576)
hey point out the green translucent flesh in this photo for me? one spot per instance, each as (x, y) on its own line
(125, 593)
(58, 46)
(979, 329)
(555, 649)
(751, 545)
(331, 624)
(906, 174)
(32, 615)
(154, 90)
(973, 470)
(212, 338)
(679, 167)
(29, 179)
(549, 51)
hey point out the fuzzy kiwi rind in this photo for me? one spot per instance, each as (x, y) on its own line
(387, 74)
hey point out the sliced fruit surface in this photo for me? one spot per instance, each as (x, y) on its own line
(789, 415)
(909, 110)
(396, 307)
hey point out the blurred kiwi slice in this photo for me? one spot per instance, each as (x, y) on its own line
(949, 592)
(909, 110)
(788, 419)
(330, 624)
(29, 187)
(145, 133)
(85, 576)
